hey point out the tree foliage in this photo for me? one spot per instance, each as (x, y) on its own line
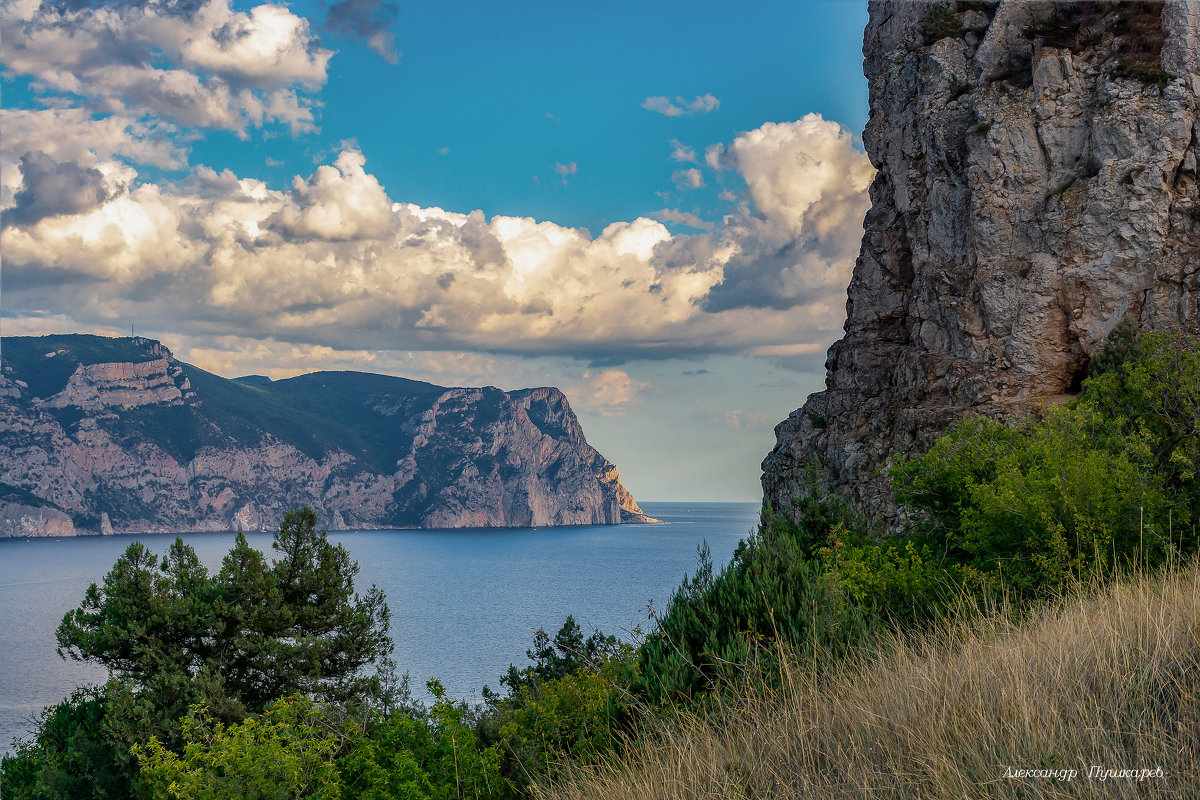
(250, 634)
(774, 589)
(173, 636)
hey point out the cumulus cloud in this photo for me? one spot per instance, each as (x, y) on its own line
(338, 203)
(333, 261)
(194, 63)
(50, 188)
(369, 20)
(685, 179)
(682, 218)
(681, 152)
(680, 107)
(799, 232)
(74, 134)
(608, 392)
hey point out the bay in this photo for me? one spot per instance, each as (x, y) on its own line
(465, 603)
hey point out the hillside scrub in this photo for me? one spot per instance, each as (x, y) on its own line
(1109, 678)
(823, 660)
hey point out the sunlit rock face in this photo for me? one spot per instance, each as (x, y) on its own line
(115, 435)
(1037, 182)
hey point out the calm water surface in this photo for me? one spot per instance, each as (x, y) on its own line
(465, 604)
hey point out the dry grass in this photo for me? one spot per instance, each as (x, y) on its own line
(1110, 679)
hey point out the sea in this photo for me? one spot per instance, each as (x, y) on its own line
(465, 603)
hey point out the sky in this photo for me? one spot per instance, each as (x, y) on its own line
(654, 206)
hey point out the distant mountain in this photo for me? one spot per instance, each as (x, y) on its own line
(116, 435)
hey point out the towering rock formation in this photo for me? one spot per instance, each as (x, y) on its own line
(115, 435)
(1037, 182)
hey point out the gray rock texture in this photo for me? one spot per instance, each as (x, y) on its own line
(19, 520)
(147, 443)
(1037, 182)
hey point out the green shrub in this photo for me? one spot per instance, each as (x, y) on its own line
(1110, 480)
(773, 589)
(941, 20)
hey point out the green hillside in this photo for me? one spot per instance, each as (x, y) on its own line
(316, 413)
(46, 362)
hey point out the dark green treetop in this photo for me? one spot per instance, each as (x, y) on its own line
(249, 634)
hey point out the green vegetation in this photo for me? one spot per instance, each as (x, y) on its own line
(46, 362)
(1108, 677)
(15, 494)
(315, 413)
(987, 631)
(941, 20)
(174, 637)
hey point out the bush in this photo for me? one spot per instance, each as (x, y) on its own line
(1107, 481)
(772, 590)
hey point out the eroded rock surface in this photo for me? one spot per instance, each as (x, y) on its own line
(1037, 182)
(147, 443)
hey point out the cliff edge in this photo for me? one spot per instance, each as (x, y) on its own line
(1037, 183)
(105, 435)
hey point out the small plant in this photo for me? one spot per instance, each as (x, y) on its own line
(982, 127)
(940, 22)
(960, 90)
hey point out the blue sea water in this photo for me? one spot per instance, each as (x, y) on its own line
(465, 603)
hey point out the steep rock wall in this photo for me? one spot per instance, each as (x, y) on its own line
(1037, 182)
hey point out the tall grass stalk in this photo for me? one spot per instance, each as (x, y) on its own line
(1108, 678)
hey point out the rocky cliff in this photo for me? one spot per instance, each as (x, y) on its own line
(1037, 183)
(116, 435)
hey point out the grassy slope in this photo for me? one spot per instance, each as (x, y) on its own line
(1110, 679)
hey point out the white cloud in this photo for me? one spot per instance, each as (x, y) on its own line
(74, 134)
(799, 231)
(681, 152)
(679, 107)
(685, 179)
(335, 262)
(338, 203)
(608, 392)
(566, 170)
(202, 65)
(683, 218)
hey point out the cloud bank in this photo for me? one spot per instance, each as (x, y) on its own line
(334, 261)
(196, 64)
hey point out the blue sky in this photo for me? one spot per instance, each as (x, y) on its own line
(668, 198)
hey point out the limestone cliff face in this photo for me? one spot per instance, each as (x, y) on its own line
(148, 443)
(1037, 182)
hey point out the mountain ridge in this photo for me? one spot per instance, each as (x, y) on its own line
(115, 434)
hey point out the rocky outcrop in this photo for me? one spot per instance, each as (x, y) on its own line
(18, 519)
(1037, 183)
(95, 388)
(147, 443)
